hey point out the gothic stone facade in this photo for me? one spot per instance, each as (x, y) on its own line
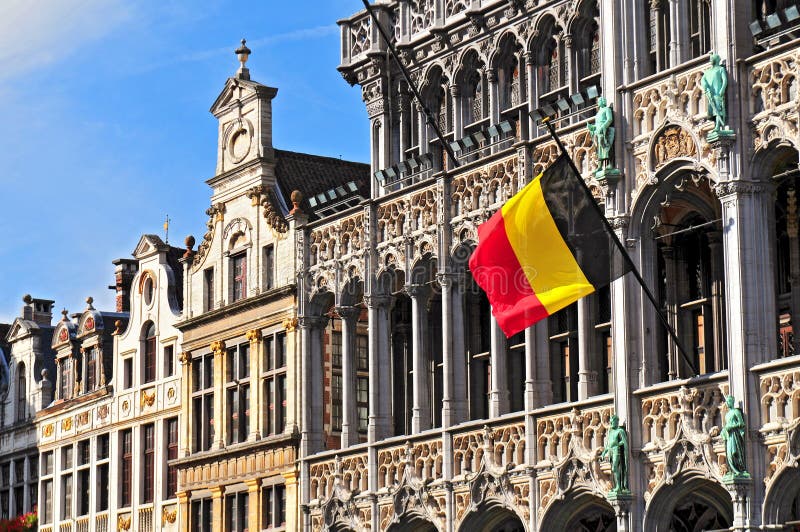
(468, 430)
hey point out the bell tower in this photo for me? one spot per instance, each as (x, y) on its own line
(244, 148)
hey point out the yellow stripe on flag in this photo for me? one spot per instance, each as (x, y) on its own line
(548, 263)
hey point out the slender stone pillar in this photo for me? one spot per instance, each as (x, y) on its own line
(185, 442)
(587, 370)
(220, 425)
(311, 440)
(256, 356)
(349, 317)
(498, 392)
(293, 368)
(217, 508)
(421, 410)
(253, 489)
(494, 101)
(380, 367)
(459, 402)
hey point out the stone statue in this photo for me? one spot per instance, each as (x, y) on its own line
(617, 447)
(603, 133)
(733, 433)
(714, 84)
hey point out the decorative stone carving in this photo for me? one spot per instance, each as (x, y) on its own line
(147, 398)
(672, 142)
(215, 213)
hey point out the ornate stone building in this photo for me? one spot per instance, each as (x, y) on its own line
(26, 369)
(107, 439)
(239, 362)
(468, 430)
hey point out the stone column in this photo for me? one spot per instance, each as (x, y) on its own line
(185, 425)
(405, 122)
(256, 391)
(293, 520)
(533, 98)
(571, 70)
(217, 508)
(253, 491)
(717, 302)
(446, 284)
(458, 112)
(421, 410)
(498, 391)
(220, 426)
(183, 510)
(380, 368)
(622, 511)
(671, 282)
(349, 317)
(587, 369)
(459, 401)
(494, 102)
(740, 490)
(312, 437)
(792, 224)
(293, 399)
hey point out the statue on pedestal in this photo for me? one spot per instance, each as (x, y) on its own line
(715, 84)
(602, 131)
(617, 447)
(733, 434)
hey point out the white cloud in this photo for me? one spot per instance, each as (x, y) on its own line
(35, 33)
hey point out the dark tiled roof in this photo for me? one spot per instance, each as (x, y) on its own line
(314, 174)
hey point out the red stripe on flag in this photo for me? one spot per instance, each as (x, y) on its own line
(496, 269)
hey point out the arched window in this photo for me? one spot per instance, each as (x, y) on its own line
(699, 27)
(149, 352)
(787, 251)
(22, 393)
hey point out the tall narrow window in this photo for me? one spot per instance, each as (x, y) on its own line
(83, 473)
(169, 360)
(46, 504)
(236, 510)
(66, 482)
(239, 276)
(208, 289)
(238, 392)
(564, 353)
(336, 381)
(126, 467)
(149, 447)
(273, 383)
(22, 393)
(67, 383)
(659, 35)
(150, 353)
(603, 339)
(269, 267)
(201, 515)
(202, 402)
(273, 506)
(172, 454)
(91, 369)
(699, 27)
(101, 482)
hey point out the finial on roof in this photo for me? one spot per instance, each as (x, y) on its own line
(243, 53)
(27, 299)
(65, 313)
(297, 199)
(89, 301)
(189, 241)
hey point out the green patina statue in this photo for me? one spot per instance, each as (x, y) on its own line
(733, 433)
(603, 133)
(714, 84)
(617, 447)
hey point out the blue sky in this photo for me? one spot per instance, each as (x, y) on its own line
(105, 125)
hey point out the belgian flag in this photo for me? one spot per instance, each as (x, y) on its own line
(547, 247)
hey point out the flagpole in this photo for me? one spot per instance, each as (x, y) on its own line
(634, 270)
(403, 70)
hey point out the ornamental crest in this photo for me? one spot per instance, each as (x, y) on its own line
(672, 142)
